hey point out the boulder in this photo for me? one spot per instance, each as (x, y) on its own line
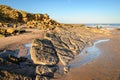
(10, 30)
(1, 25)
(45, 72)
(38, 77)
(2, 31)
(43, 52)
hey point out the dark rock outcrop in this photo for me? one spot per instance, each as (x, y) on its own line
(43, 52)
(45, 72)
(13, 67)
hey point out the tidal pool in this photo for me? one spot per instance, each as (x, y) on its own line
(28, 50)
(87, 55)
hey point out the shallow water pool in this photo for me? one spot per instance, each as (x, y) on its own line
(87, 55)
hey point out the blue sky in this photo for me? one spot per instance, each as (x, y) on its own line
(72, 11)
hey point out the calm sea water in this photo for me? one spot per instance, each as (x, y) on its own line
(104, 25)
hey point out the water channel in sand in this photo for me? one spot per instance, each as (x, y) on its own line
(87, 55)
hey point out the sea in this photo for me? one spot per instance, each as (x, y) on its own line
(104, 25)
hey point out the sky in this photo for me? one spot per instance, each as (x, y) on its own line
(71, 11)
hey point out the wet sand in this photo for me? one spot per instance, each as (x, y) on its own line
(104, 67)
(17, 42)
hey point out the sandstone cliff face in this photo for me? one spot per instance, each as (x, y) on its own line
(10, 16)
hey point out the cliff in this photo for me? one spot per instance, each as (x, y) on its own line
(10, 16)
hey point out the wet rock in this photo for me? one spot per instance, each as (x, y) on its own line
(38, 77)
(5, 75)
(9, 56)
(45, 72)
(43, 52)
(6, 53)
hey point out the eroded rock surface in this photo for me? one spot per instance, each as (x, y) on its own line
(67, 44)
(43, 52)
(45, 72)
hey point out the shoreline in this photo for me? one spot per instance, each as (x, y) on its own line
(88, 54)
(60, 73)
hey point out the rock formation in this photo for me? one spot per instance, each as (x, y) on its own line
(10, 16)
(45, 72)
(44, 55)
(43, 52)
(11, 31)
(13, 67)
(62, 42)
(67, 44)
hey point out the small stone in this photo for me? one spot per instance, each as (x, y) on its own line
(44, 71)
(38, 77)
(66, 69)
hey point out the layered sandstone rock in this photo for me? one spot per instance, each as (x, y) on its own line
(12, 16)
(43, 52)
(11, 31)
(67, 44)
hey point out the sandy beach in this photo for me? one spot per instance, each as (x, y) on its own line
(105, 67)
